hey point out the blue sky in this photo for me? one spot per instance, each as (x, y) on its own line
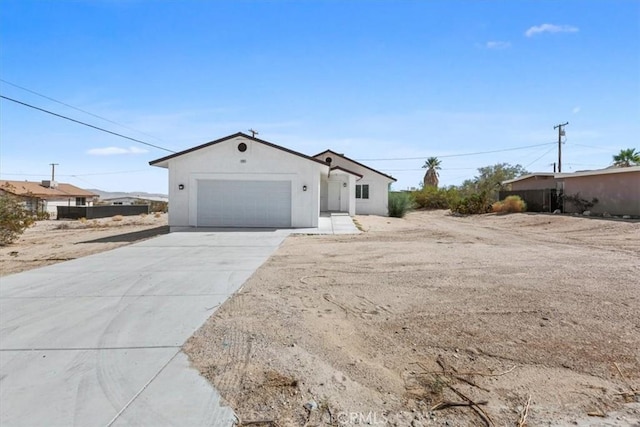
(371, 79)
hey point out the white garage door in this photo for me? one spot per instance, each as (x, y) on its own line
(244, 203)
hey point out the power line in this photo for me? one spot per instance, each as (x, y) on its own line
(85, 124)
(76, 108)
(460, 155)
(79, 174)
(591, 146)
(545, 153)
(421, 169)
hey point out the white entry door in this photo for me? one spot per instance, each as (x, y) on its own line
(334, 195)
(223, 203)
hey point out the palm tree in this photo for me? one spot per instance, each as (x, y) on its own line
(626, 158)
(432, 165)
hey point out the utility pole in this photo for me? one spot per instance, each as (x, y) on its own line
(560, 135)
(53, 171)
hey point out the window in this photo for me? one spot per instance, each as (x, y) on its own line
(81, 201)
(362, 191)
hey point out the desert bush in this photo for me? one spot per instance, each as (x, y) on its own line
(478, 203)
(62, 226)
(82, 220)
(579, 202)
(157, 215)
(14, 218)
(143, 215)
(117, 218)
(511, 204)
(43, 216)
(435, 198)
(399, 203)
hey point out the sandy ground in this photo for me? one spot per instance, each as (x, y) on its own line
(49, 242)
(533, 318)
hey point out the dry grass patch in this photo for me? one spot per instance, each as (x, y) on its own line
(512, 204)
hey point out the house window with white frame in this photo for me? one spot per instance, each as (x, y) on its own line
(362, 191)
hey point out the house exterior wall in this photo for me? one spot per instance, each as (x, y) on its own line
(345, 183)
(617, 193)
(377, 204)
(534, 183)
(223, 161)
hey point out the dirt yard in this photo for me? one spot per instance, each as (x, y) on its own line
(523, 319)
(49, 242)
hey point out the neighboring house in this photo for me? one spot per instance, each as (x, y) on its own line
(371, 195)
(616, 188)
(46, 196)
(132, 200)
(243, 181)
(532, 181)
(156, 204)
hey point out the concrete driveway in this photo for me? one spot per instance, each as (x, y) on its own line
(96, 341)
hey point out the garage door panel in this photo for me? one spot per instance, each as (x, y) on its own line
(223, 203)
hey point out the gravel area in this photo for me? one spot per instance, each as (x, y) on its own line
(531, 319)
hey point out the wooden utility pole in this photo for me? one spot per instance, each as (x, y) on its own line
(53, 171)
(560, 135)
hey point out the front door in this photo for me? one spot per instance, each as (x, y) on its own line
(334, 196)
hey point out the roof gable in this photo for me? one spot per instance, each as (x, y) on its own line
(338, 168)
(354, 162)
(227, 138)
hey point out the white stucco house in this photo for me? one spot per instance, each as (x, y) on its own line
(370, 196)
(243, 181)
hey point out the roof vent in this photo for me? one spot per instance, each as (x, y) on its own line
(49, 184)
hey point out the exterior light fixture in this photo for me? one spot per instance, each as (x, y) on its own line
(344, 184)
(180, 186)
(304, 188)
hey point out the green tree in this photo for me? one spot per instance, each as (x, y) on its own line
(432, 165)
(490, 178)
(626, 158)
(14, 218)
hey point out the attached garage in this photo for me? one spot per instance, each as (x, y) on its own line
(243, 203)
(243, 181)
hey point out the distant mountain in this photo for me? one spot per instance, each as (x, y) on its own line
(113, 194)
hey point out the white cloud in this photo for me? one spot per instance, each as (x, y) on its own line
(497, 45)
(576, 110)
(550, 28)
(110, 151)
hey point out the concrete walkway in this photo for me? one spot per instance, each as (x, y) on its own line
(97, 340)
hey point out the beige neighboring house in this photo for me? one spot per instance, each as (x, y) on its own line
(616, 188)
(46, 196)
(532, 181)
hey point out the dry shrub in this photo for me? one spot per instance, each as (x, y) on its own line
(82, 220)
(512, 204)
(157, 215)
(62, 226)
(143, 215)
(117, 218)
